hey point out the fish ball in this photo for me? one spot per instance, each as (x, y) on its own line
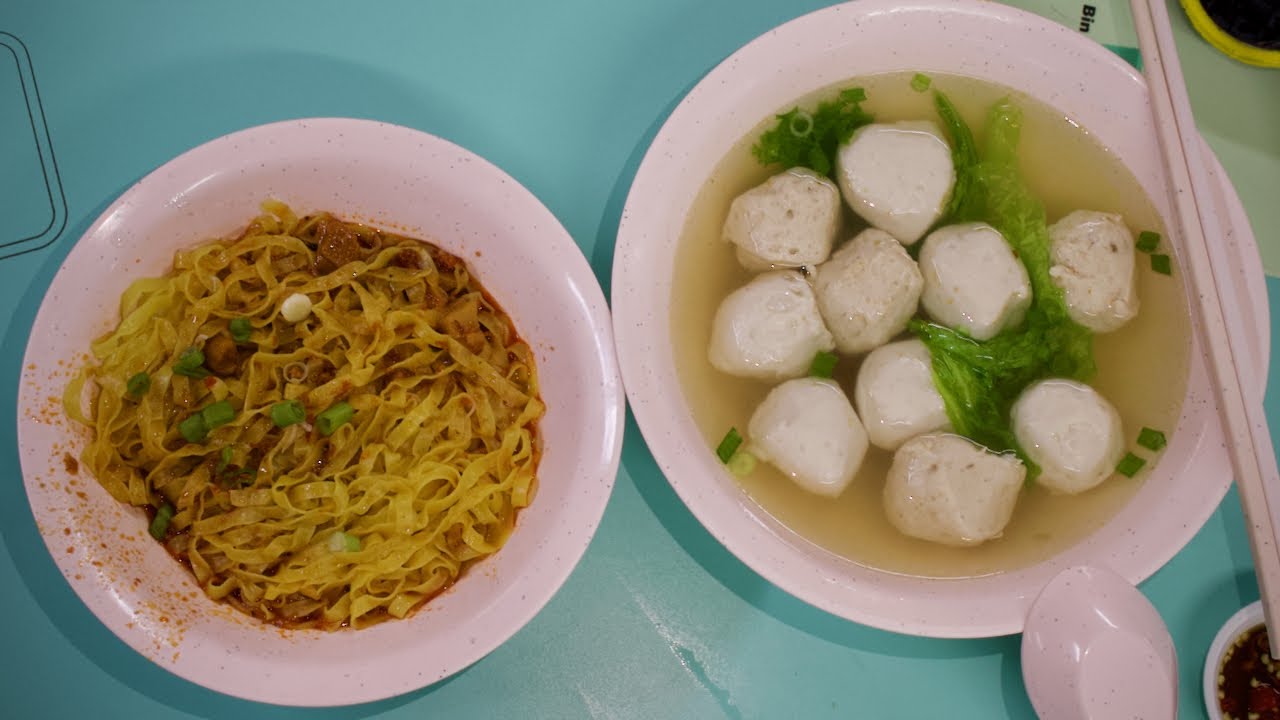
(973, 281)
(1093, 262)
(1070, 431)
(808, 430)
(868, 291)
(790, 220)
(895, 395)
(897, 176)
(769, 328)
(947, 489)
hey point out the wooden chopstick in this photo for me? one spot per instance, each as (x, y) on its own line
(1205, 262)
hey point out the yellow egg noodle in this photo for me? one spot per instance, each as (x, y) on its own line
(429, 398)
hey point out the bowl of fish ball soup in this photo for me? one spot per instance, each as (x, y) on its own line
(901, 320)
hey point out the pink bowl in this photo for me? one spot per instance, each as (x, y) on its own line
(985, 40)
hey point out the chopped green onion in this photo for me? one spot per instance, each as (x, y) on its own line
(801, 124)
(335, 417)
(193, 429)
(139, 384)
(1130, 464)
(742, 463)
(240, 329)
(218, 414)
(809, 138)
(1148, 241)
(196, 427)
(160, 523)
(729, 445)
(343, 542)
(1152, 439)
(920, 82)
(1162, 264)
(289, 412)
(224, 459)
(191, 364)
(823, 365)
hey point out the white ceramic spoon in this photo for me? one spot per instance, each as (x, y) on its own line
(1094, 648)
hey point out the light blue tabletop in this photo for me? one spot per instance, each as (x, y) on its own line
(659, 620)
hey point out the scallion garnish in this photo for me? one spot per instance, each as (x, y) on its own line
(344, 542)
(1130, 464)
(742, 463)
(920, 82)
(240, 329)
(289, 412)
(801, 124)
(196, 427)
(191, 364)
(160, 523)
(193, 429)
(1151, 439)
(335, 417)
(809, 139)
(218, 414)
(823, 365)
(1148, 241)
(138, 385)
(729, 445)
(224, 459)
(1162, 264)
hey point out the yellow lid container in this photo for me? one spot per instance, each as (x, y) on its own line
(1220, 39)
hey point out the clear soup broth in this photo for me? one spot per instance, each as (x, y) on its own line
(1142, 367)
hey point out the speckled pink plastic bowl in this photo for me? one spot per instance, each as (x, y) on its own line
(403, 180)
(986, 40)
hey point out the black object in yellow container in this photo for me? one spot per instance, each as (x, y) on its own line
(1247, 30)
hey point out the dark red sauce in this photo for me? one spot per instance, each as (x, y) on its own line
(1249, 678)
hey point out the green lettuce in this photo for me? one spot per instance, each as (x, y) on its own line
(979, 381)
(802, 139)
(965, 202)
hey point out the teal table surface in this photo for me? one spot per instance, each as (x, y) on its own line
(658, 620)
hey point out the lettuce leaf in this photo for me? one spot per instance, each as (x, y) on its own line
(801, 139)
(965, 202)
(979, 381)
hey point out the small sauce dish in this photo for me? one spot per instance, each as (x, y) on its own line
(1240, 678)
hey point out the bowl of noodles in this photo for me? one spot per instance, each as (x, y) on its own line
(843, 294)
(320, 412)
